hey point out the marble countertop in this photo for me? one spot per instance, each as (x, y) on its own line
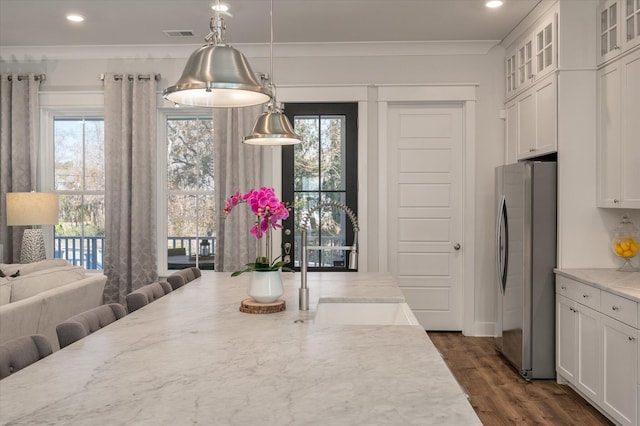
(192, 357)
(625, 284)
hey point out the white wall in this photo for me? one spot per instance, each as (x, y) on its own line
(73, 78)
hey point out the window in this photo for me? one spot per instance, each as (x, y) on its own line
(190, 191)
(323, 167)
(79, 180)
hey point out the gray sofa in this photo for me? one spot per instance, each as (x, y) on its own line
(45, 294)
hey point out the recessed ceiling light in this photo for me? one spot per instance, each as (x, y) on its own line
(74, 17)
(493, 3)
(220, 7)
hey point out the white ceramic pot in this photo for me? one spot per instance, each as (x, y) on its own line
(265, 286)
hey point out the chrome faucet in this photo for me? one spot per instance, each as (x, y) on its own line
(353, 249)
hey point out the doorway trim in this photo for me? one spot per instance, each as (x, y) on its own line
(465, 95)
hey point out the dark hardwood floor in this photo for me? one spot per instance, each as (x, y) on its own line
(500, 396)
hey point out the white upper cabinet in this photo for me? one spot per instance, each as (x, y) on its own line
(532, 56)
(618, 28)
(544, 38)
(618, 159)
(510, 73)
(531, 90)
(531, 121)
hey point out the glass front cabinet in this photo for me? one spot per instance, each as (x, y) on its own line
(618, 28)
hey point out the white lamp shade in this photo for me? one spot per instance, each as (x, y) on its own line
(32, 208)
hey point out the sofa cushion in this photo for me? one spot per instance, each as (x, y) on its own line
(5, 291)
(63, 302)
(29, 285)
(28, 268)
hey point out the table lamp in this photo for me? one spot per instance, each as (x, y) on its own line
(32, 209)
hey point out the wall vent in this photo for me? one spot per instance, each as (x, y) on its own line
(179, 33)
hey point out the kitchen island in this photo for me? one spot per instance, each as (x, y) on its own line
(192, 357)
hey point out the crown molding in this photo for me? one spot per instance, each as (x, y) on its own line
(282, 50)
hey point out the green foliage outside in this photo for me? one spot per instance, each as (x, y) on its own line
(319, 171)
(190, 177)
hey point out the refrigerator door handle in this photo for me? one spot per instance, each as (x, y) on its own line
(502, 234)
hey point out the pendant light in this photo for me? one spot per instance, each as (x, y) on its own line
(217, 75)
(272, 127)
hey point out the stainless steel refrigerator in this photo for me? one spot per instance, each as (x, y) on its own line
(525, 258)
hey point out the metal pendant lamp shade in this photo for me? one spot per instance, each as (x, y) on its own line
(272, 128)
(217, 75)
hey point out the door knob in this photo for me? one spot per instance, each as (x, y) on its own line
(457, 246)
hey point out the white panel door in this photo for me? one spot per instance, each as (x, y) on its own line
(425, 210)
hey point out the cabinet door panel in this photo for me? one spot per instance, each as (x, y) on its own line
(630, 138)
(620, 375)
(566, 338)
(526, 124)
(546, 107)
(589, 369)
(511, 133)
(609, 137)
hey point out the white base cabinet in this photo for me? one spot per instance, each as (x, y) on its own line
(620, 358)
(597, 348)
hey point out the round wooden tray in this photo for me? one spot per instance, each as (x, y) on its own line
(250, 306)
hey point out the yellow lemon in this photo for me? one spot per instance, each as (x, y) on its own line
(626, 253)
(624, 245)
(618, 249)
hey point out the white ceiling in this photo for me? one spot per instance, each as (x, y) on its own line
(141, 22)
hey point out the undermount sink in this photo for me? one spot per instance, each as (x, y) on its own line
(364, 313)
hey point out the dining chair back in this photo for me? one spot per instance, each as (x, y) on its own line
(147, 294)
(85, 323)
(183, 276)
(21, 352)
(181, 251)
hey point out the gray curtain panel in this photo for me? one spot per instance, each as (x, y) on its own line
(19, 118)
(237, 168)
(130, 190)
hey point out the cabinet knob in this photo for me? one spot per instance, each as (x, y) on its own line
(615, 308)
(616, 201)
(632, 339)
(532, 150)
(564, 287)
(585, 296)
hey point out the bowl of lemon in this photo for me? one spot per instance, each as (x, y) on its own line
(626, 243)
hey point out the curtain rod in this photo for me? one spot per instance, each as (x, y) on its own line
(36, 77)
(130, 77)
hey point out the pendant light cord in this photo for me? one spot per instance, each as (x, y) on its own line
(271, 80)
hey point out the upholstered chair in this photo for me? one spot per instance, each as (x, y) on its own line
(81, 325)
(183, 276)
(147, 294)
(21, 352)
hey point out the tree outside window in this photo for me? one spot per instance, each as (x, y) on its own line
(79, 180)
(190, 188)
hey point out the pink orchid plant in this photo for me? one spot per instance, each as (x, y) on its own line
(269, 213)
